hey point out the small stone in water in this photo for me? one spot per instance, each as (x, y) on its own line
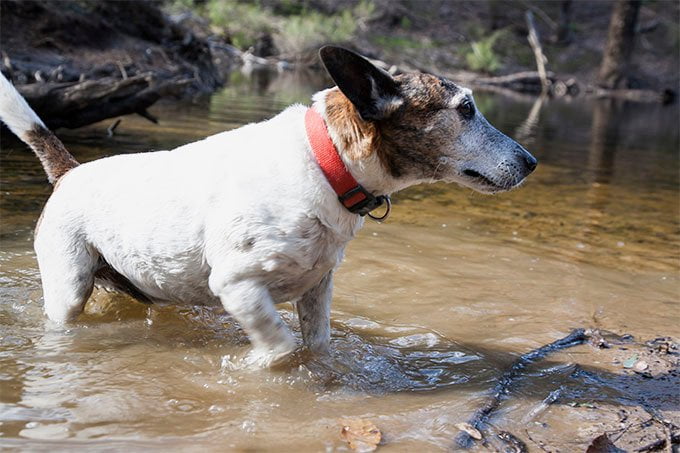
(630, 361)
(471, 430)
(641, 365)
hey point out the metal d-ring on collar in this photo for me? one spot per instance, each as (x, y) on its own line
(388, 209)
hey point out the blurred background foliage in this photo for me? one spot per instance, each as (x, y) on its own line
(442, 35)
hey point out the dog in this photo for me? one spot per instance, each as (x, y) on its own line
(262, 214)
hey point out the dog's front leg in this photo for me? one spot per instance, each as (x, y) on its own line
(252, 306)
(314, 311)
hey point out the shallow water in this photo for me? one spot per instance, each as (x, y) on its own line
(429, 308)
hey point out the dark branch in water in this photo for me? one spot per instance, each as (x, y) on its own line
(502, 388)
(145, 114)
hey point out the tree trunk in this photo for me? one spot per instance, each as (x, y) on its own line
(620, 39)
(563, 34)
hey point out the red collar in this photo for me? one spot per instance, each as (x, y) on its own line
(350, 193)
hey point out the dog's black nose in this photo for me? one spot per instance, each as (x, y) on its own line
(530, 161)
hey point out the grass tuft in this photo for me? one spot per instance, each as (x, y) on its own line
(482, 56)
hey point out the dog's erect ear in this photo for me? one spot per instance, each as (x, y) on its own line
(373, 92)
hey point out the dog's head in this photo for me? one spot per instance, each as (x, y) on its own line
(427, 128)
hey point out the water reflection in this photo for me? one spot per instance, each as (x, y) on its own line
(604, 140)
(526, 132)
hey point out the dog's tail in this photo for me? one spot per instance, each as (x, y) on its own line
(23, 121)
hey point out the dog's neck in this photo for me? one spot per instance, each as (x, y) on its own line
(357, 142)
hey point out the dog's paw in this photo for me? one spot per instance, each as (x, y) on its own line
(261, 357)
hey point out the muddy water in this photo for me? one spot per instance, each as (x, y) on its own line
(429, 308)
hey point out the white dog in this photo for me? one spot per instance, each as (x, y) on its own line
(262, 214)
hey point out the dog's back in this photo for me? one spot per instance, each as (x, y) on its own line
(143, 221)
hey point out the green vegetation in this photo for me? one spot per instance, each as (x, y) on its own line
(298, 33)
(482, 56)
(242, 22)
(294, 27)
(396, 42)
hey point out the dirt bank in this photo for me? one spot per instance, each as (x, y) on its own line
(78, 62)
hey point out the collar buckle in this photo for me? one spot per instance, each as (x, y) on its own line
(360, 201)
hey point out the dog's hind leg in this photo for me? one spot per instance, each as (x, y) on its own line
(314, 311)
(251, 304)
(67, 270)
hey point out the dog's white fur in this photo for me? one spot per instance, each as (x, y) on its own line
(15, 111)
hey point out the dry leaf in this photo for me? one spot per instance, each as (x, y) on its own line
(361, 435)
(471, 430)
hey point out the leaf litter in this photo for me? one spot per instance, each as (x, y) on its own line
(361, 435)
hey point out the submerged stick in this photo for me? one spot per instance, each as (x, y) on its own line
(576, 337)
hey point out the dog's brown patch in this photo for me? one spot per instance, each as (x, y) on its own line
(357, 137)
(409, 140)
(53, 155)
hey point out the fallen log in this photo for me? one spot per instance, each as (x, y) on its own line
(637, 95)
(527, 81)
(76, 104)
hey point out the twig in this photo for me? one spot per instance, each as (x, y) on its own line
(112, 128)
(121, 68)
(550, 399)
(502, 388)
(539, 444)
(665, 425)
(661, 443)
(542, 14)
(538, 52)
(7, 62)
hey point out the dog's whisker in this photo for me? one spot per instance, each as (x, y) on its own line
(434, 174)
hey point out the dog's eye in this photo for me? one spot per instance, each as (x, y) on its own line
(466, 109)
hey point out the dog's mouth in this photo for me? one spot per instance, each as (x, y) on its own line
(479, 178)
